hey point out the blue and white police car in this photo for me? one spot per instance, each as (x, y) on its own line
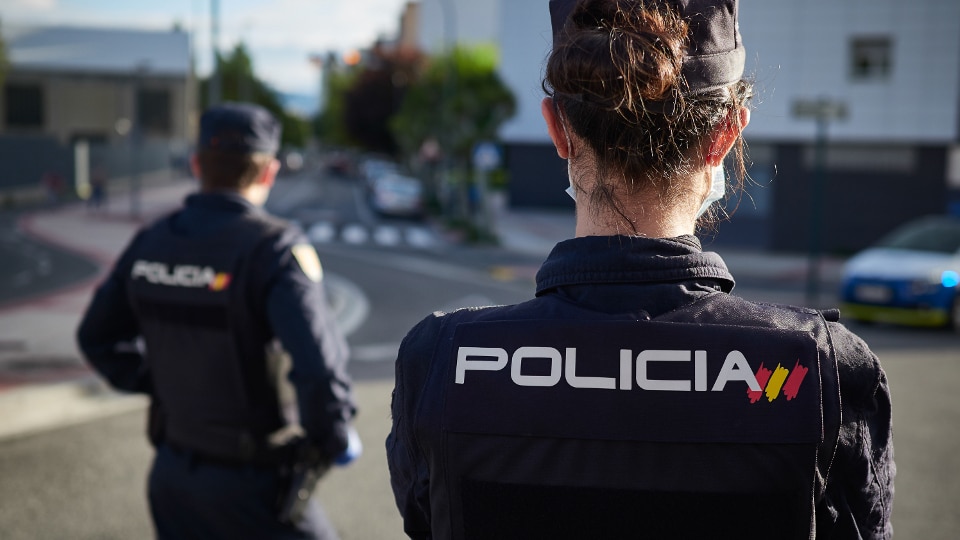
(910, 277)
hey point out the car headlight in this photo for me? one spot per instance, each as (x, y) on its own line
(950, 278)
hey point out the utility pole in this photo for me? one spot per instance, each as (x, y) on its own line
(213, 88)
(822, 111)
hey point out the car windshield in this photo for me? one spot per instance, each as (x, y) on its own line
(936, 235)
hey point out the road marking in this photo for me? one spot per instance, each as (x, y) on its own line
(355, 234)
(376, 352)
(386, 235)
(322, 232)
(326, 232)
(421, 237)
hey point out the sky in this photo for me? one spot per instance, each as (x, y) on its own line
(280, 34)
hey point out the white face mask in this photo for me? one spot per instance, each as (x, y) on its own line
(571, 191)
(718, 187)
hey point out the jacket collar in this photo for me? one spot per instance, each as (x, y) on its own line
(630, 259)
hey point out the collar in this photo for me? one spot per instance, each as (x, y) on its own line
(630, 259)
(229, 201)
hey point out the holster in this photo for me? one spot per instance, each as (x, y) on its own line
(299, 480)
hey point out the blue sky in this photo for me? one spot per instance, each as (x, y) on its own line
(281, 34)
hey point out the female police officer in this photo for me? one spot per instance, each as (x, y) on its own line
(206, 289)
(634, 397)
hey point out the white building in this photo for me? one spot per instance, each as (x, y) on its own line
(894, 65)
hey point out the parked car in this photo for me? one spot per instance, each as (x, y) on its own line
(372, 169)
(397, 195)
(911, 277)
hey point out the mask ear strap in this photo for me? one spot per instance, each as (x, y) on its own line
(563, 124)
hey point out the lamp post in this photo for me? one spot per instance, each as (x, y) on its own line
(136, 136)
(213, 88)
(822, 110)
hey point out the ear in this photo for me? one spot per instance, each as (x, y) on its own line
(555, 128)
(725, 135)
(269, 174)
(195, 166)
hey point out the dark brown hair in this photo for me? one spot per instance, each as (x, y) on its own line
(230, 170)
(615, 78)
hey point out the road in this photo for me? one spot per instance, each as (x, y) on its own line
(87, 481)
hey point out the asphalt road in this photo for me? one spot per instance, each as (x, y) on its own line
(88, 481)
(30, 267)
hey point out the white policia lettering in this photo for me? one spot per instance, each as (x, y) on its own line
(183, 275)
(735, 368)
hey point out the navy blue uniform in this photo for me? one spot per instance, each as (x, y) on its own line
(207, 289)
(635, 397)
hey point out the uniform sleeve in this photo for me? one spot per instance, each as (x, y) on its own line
(108, 333)
(409, 473)
(298, 314)
(860, 487)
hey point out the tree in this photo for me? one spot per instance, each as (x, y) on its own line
(238, 82)
(376, 95)
(459, 101)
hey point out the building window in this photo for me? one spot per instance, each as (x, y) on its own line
(153, 111)
(871, 58)
(24, 105)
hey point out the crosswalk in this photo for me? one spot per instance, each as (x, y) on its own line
(358, 234)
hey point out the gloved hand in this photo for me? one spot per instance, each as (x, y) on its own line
(353, 451)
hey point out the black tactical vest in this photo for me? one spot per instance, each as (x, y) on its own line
(563, 428)
(205, 336)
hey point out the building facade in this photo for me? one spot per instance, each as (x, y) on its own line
(892, 67)
(109, 89)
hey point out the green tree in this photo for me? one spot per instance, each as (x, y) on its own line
(329, 125)
(458, 102)
(238, 82)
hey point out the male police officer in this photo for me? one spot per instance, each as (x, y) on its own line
(186, 317)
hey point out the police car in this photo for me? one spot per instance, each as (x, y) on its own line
(911, 277)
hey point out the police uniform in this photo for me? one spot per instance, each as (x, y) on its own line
(186, 317)
(635, 397)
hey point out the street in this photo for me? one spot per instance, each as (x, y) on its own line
(87, 481)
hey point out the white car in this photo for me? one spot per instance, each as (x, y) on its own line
(911, 277)
(397, 195)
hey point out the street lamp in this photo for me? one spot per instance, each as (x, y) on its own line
(822, 110)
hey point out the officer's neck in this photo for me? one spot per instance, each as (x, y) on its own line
(254, 194)
(638, 216)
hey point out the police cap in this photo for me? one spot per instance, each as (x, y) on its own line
(241, 128)
(715, 56)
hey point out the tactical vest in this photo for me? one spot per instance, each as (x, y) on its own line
(563, 428)
(205, 337)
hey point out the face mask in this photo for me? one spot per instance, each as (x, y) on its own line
(571, 191)
(718, 186)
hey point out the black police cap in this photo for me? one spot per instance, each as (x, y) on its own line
(715, 56)
(241, 128)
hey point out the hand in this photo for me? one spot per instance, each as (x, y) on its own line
(353, 451)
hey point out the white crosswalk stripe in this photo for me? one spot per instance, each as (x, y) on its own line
(419, 237)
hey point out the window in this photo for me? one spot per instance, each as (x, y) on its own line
(153, 111)
(871, 58)
(24, 105)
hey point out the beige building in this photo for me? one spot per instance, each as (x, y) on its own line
(98, 84)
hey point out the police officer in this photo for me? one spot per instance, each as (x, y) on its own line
(634, 396)
(187, 317)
